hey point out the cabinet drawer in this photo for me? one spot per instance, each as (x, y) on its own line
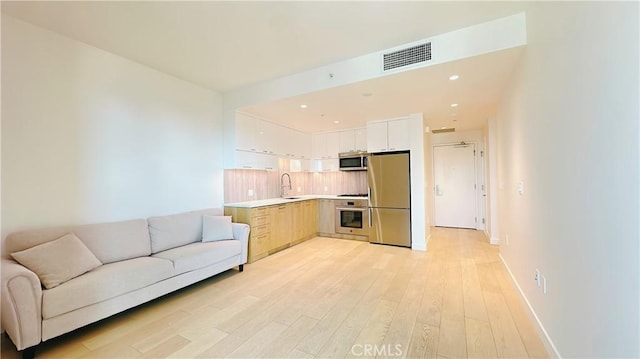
(259, 245)
(259, 231)
(260, 211)
(260, 221)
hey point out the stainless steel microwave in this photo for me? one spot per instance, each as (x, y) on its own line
(353, 161)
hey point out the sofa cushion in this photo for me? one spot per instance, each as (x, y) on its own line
(102, 283)
(216, 228)
(199, 255)
(117, 241)
(58, 261)
(177, 230)
(109, 242)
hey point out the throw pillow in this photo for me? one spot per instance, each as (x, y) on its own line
(58, 261)
(216, 228)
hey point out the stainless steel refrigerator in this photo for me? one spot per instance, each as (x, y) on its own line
(388, 177)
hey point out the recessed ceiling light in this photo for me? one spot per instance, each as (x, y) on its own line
(336, 122)
(443, 128)
(303, 106)
(454, 77)
(454, 105)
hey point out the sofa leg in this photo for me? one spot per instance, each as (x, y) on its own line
(29, 353)
(240, 267)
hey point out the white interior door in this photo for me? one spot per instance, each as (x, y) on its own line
(454, 186)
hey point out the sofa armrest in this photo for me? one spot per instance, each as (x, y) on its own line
(241, 233)
(21, 304)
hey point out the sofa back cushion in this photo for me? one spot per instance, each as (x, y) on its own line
(178, 229)
(109, 242)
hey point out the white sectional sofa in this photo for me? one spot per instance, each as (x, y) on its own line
(139, 260)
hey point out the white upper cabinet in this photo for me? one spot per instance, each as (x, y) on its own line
(245, 133)
(392, 135)
(360, 139)
(266, 137)
(352, 140)
(255, 160)
(325, 145)
(297, 144)
(398, 135)
(377, 137)
(347, 141)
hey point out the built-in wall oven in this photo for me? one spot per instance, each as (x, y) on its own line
(352, 217)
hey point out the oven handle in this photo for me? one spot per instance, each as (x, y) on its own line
(355, 209)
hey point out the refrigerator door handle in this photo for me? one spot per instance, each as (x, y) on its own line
(370, 215)
(369, 195)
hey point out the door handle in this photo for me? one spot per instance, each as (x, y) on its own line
(370, 215)
(438, 191)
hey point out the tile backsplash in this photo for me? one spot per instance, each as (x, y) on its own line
(248, 185)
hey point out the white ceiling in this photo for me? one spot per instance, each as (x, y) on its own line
(228, 45)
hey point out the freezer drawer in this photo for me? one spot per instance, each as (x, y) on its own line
(390, 226)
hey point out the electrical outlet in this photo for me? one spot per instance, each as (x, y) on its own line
(544, 284)
(250, 193)
(537, 277)
(299, 189)
(326, 189)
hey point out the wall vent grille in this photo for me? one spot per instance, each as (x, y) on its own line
(408, 56)
(444, 130)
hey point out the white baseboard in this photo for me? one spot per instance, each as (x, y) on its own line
(421, 246)
(494, 240)
(546, 340)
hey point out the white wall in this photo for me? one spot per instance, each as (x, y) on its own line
(88, 136)
(568, 128)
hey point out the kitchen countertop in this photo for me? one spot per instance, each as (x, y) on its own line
(291, 199)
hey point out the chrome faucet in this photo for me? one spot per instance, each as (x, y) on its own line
(283, 186)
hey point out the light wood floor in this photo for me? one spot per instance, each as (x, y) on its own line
(329, 298)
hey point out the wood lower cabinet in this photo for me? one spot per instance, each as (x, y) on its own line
(326, 217)
(259, 219)
(274, 228)
(304, 221)
(310, 219)
(281, 233)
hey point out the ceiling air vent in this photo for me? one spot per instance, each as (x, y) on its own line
(444, 130)
(408, 56)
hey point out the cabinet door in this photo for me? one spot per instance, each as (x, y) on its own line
(267, 161)
(360, 139)
(329, 165)
(332, 145)
(317, 145)
(304, 146)
(280, 226)
(310, 209)
(298, 221)
(398, 135)
(245, 132)
(266, 137)
(346, 141)
(326, 216)
(377, 137)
